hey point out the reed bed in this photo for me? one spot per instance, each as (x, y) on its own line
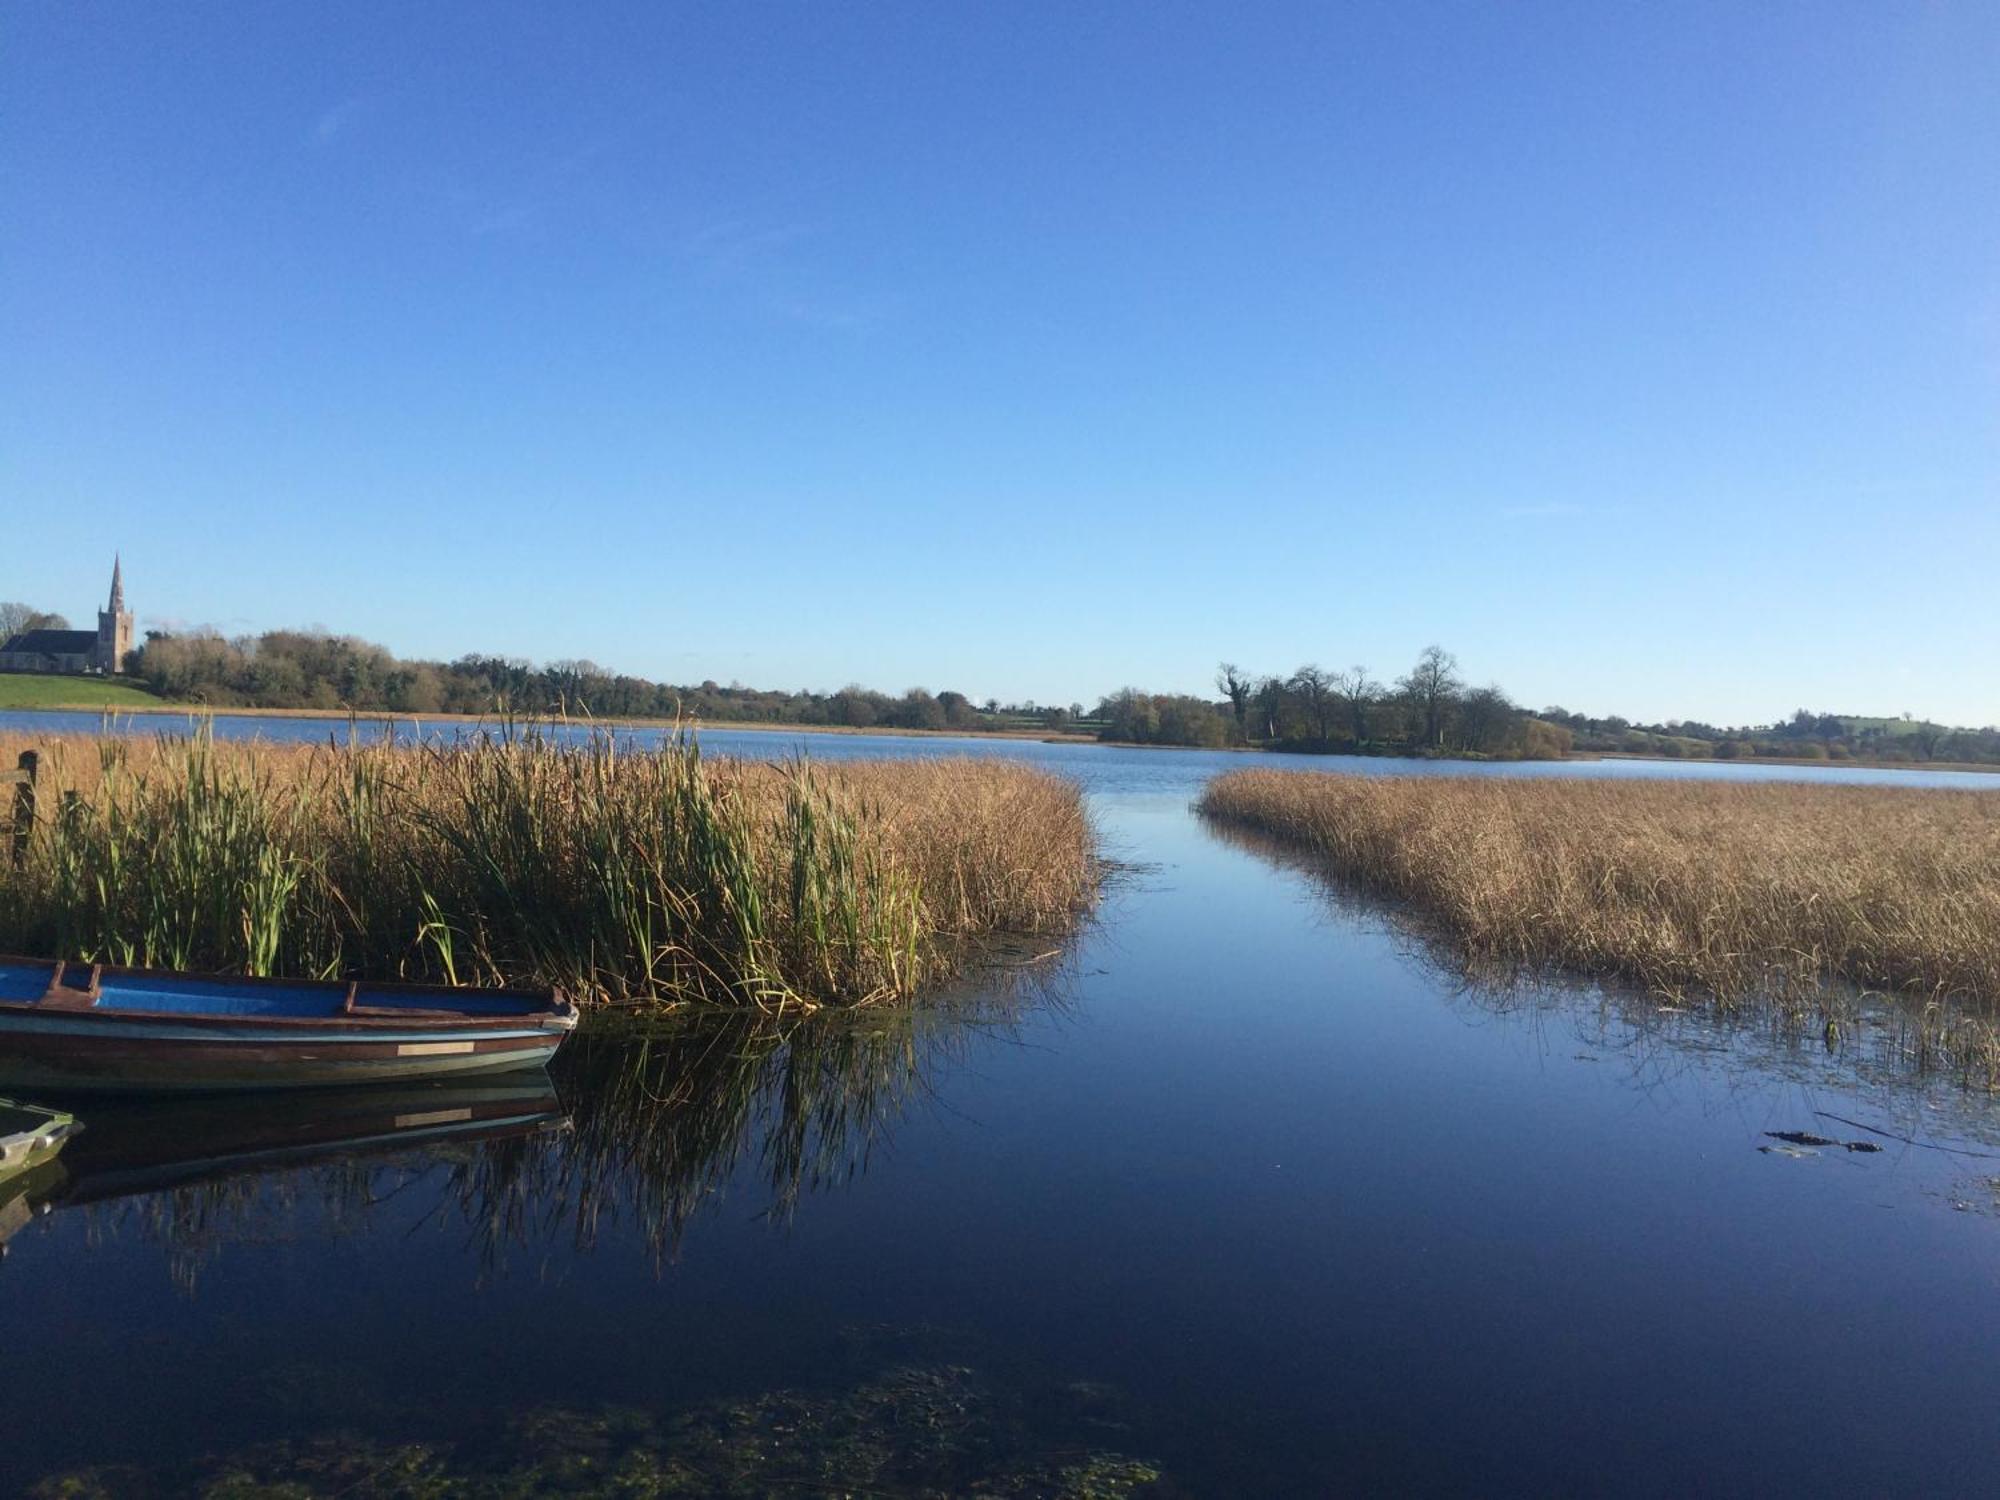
(526, 857)
(1811, 897)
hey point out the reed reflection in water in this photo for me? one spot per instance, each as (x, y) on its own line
(664, 1117)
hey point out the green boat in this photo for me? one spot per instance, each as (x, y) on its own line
(30, 1138)
(31, 1135)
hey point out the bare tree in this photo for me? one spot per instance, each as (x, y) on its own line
(1270, 700)
(1234, 686)
(1432, 685)
(1314, 688)
(1485, 718)
(1358, 691)
(16, 617)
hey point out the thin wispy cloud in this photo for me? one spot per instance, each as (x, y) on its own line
(330, 125)
(767, 263)
(1544, 510)
(503, 220)
(729, 247)
(819, 314)
(538, 186)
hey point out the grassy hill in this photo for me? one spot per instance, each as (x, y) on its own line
(32, 690)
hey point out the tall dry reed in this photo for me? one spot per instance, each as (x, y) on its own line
(1790, 892)
(615, 873)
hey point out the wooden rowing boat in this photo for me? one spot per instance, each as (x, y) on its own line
(73, 1026)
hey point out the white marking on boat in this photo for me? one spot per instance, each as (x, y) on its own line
(435, 1117)
(432, 1049)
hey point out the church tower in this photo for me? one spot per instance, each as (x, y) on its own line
(114, 626)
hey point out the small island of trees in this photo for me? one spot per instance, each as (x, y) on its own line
(1429, 710)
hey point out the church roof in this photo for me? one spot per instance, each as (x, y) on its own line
(53, 642)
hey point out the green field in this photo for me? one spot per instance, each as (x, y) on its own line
(31, 690)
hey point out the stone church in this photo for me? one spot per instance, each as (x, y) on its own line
(102, 650)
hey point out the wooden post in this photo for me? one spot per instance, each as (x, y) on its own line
(24, 804)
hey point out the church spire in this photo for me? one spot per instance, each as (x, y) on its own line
(117, 585)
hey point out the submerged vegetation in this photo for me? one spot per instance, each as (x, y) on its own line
(927, 1428)
(540, 857)
(1808, 897)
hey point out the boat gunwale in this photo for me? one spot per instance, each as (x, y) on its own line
(554, 1012)
(47, 1112)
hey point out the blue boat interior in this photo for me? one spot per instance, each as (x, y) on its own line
(178, 995)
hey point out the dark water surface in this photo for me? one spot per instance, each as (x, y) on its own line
(1248, 1194)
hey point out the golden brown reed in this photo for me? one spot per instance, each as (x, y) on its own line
(1788, 892)
(617, 874)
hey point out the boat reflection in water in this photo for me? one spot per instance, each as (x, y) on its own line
(194, 1147)
(640, 1128)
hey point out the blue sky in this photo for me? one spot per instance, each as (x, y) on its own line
(1648, 357)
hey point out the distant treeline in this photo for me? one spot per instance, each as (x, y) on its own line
(1803, 736)
(1431, 711)
(1428, 711)
(300, 669)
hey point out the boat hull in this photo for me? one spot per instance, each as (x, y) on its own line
(103, 1055)
(77, 1027)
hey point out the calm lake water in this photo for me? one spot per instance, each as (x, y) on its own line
(1244, 1191)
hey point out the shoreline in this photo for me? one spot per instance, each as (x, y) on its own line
(1988, 768)
(1033, 736)
(393, 716)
